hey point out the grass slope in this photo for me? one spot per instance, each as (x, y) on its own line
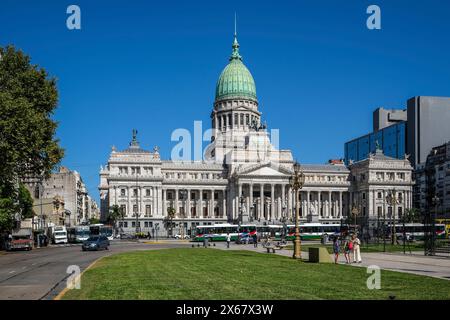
(198, 273)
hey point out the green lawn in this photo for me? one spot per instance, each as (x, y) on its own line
(198, 273)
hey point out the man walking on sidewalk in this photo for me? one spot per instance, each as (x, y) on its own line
(228, 240)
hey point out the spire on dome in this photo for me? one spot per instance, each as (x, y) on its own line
(235, 54)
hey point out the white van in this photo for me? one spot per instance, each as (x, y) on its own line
(58, 234)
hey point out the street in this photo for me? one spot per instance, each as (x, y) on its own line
(41, 273)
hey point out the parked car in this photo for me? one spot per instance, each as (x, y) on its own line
(96, 243)
(178, 236)
(127, 236)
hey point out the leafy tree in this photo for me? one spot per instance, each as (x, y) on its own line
(28, 148)
(94, 221)
(412, 215)
(14, 205)
(115, 214)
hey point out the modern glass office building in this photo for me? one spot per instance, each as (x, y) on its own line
(392, 141)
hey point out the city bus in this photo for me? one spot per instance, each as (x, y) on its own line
(78, 234)
(218, 232)
(416, 231)
(445, 222)
(101, 229)
(271, 230)
(315, 231)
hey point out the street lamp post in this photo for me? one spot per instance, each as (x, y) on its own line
(355, 213)
(433, 223)
(297, 180)
(393, 200)
(184, 194)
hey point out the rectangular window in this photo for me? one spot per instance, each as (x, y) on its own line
(135, 208)
(135, 192)
(147, 192)
(123, 208)
(125, 224)
(146, 224)
(122, 192)
(133, 224)
(148, 210)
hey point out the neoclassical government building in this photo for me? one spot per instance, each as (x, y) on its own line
(244, 177)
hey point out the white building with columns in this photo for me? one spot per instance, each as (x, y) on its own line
(244, 176)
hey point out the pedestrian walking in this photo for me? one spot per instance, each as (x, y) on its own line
(255, 240)
(356, 249)
(348, 247)
(336, 249)
(228, 240)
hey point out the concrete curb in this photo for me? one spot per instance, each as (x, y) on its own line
(64, 291)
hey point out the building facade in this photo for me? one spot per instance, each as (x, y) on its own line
(414, 130)
(68, 186)
(243, 178)
(432, 179)
(373, 180)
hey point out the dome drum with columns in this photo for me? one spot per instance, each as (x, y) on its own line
(247, 179)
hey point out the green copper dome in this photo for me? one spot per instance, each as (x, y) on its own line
(235, 81)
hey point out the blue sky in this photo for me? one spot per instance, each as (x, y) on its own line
(153, 66)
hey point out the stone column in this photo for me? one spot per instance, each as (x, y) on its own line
(130, 207)
(279, 205)
(289, 202)
(163, 204)
(329, 204)
(200, 201)
(283, 198)
(340, 205)
(272, 202)
(308, 203)
(247, 201)
(319, 204)
(211, 205)
(177, 208)
(224, 203)
(115, 195)
(261, 197)
(188, 204)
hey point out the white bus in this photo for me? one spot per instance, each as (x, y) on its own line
(218, 232)
(101, 229)
(78, 234)
(314, 231)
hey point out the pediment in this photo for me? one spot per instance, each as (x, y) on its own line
(267, 169)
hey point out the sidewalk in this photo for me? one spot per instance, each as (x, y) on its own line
(438, 267)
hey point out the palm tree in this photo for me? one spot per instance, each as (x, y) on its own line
(115, 214)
